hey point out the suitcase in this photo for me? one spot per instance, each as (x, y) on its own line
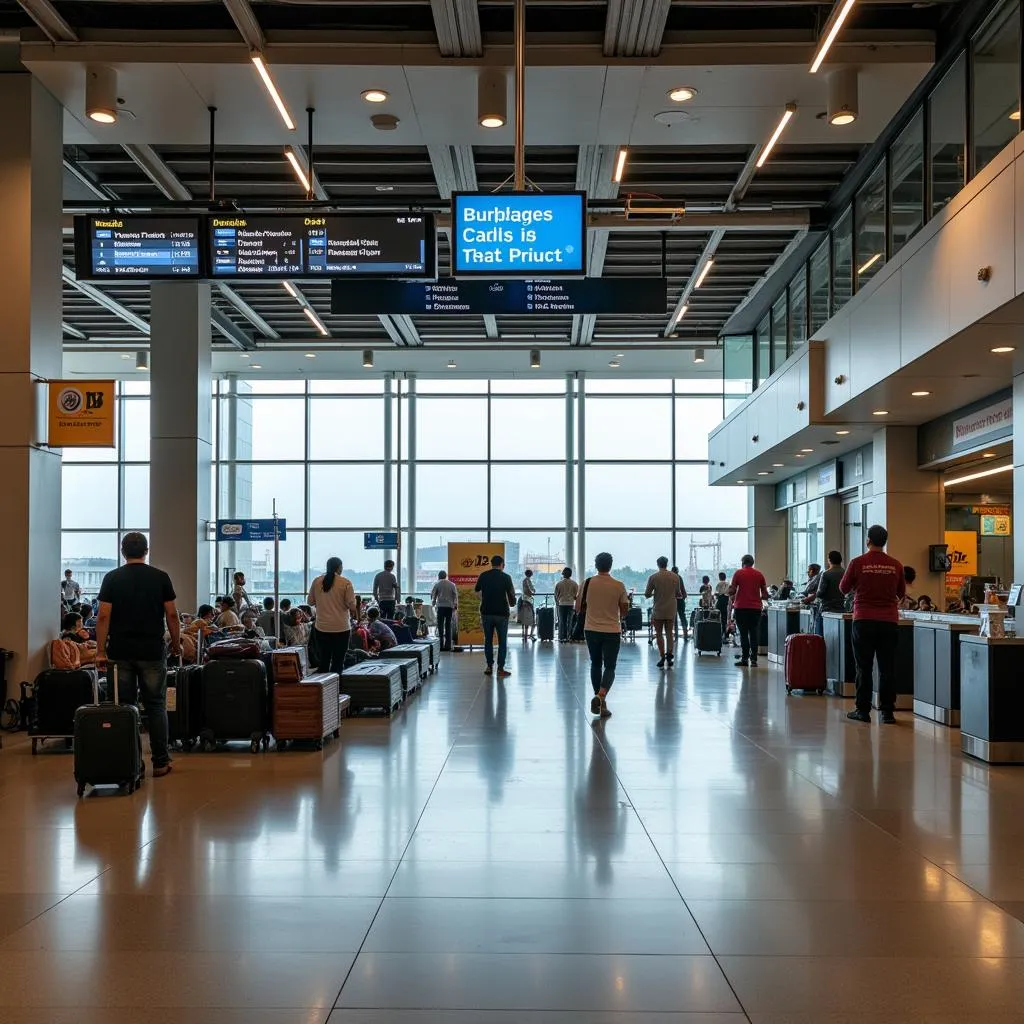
(412, 677)
(184, 705)
(56, 697)
(634, 620)
(238, 649)
(308, 710)
(108, 746)
(375, 685)
(546, 624)
(344, 705)
(417, 651)
(291, 664)
(579, 623)
(805, 662)
(235, 703)
(432, 644)
(707, 635)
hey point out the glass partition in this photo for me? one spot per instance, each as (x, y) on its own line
(798, 311)
(818, 277)
(842, 262)
(869, 217)
(764, 349)
(995, 79)
(947, 132)
(906, 184)
(780, 332)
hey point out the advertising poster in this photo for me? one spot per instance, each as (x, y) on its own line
(466, 560)
(962, 548)
(81, 414)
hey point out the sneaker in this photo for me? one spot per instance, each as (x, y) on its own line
(661, 664)
(859, 716)
(503, 672)
(605, 713)
(595, 705)
(488, 671)
(159, 773)
(671, 659)
(742, 663)
(888, 718)
(753, 662)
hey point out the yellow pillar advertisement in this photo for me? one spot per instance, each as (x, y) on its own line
(466, 560)
(81, 414)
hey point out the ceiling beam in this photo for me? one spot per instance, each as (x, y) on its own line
(86, 179)
(401, 330)
(247, 311)
(454, 169)
(247, 23)
(635, 28)
(769, 275)
(154, 168)
(73, 332)
(50, 20)
(231, 331)
(104, 300)
(457, 23)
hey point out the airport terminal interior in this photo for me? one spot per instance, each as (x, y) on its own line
(426, 283)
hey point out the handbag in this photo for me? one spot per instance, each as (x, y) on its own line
(239, 649)
(313, 648)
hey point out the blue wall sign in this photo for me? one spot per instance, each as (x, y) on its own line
(380, 541)
(250, 529)
(519, 234)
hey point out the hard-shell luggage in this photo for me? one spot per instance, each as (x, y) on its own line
(432, 644)
(412, 677)
(634, 620)
(291, 664)
(308, 710)
(805, 662)
(375, 686)
(108, 747)
(184, 705)
(235, 703)
(417, 651)
(707, 635)
(578, 627)
(56, 697)
(238, 649)
(546, 624)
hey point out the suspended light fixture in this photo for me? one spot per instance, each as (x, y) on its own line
(708, 264)
(101, 94)
(142, 361)
(368, 358)
(839, 14)
(300, 173)
(315, 321)
(491, 98)
(698, 355)
(534, 358)
(843, 106)
(779, 129)
(260, 64)
(620, 165)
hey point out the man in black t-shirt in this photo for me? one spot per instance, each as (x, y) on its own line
(497, 596)
(135, 600)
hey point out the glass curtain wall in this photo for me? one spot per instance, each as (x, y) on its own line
(995, 84)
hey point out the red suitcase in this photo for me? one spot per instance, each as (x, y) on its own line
(805, 662)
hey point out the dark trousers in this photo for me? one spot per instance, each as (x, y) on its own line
(444, 627)
(332, 648)
(564, 621)
(873, 641)
(148, 680)
(604, 656)
(681, 612)
(387, 609)
(748, 622)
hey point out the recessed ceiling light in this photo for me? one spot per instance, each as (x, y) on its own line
(311, 355)
(880, 412)
(778, 465)
(1003, 349)
(762, 472)
(741, 481)
(374, 95)
(618, 355)
(682, 93)
(919, 394)
(243, 355)
(256, 366)
(1015, 116)
(807, 451)
(614, 363)
(126, 355)
(797, 456)
(842, 433)
(451, 364)
(384, 188)
(988, 455)
(842, 117)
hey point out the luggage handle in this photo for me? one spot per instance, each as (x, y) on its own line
(96, 683)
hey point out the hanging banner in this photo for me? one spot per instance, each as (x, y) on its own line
(962, 548)
(466, 560)
(81, 414)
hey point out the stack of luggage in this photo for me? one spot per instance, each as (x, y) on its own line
(375, 686)
(308, 710)
(707, 631)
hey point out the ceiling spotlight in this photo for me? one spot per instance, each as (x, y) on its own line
(988, 455)
(842, 433)
(534, 358)
(842, 96)
(243, 355)
(618, 355)
(368, 358)
(880, 412)
(141, 360)
(311, 355)
(1015, 116)
(779, 129)
(126, 355)
(451, 364)
(763, 472)
(807, 451)
(613, 363)
(374, 95)
(620, 165)
(101, 94)
(698, 355)
(919, 394)
(708, 264)
(264, 72)
(491, 98)
(1001, 350)
(682, 93)
(835, 22)
(741, 481)
(256, 366)
(778, 465)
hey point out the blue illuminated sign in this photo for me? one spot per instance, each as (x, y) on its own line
(251, 529)
(383, 540)
(519, 234)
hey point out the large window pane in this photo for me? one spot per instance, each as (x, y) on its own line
(450, 497)
(360, 565)
(90, 556)
(818, 272)
(698, 504)
(695, 419)
(869, 215)
(371, 386)
(806, 538)
(708, 553)
(249, 490)
(346, 428)
(947, 118)
(780, 332)
(842, 262)
(798, 310)
(529, 386)
(995, 66)
(256, 560)
(451, 386)
(543, 551)
(88, 498)
(528, 496)
(528, 428)
(906, 184)
(451, 428)
(738, 366)
(626, 386)
(258, 386)
(764, 349)
(615, 427)
(347, 496)
(277, 427)
(636, 495)
(136, 498)
(635, 555)
(135, 442)
(432, 554)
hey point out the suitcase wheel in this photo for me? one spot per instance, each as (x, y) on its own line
(266, 742)
(254, 746)
(35, 749)
(81, 789)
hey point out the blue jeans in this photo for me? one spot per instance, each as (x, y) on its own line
(151, 678)
(492, 624)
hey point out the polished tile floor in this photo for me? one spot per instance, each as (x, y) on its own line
(714, 852)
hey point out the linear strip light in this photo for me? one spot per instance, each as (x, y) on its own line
(832, 31)
(620, 165)
(264, 72)
(978, 475)
(315, 321)
(869, 263)
(290, 289)
(779, 129)
(297, 168)
(679, 316)
(708, 264)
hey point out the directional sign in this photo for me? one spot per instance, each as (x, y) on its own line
(250, 529)
(626, 295)
(382, 541)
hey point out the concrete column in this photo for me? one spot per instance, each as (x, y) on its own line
(570, 483)
(30, 352)
(909, 503)
(181, 451)
(768, 536)
(1018, 476)
(410, 551)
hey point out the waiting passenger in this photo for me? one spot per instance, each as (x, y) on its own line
(706, 594)
(497, 596)
(924, 604)
(70, 591)
(385, 590)
(267, 620)
(381, 637)
(239, 595)
(335, 601)
(566, 591)
(73, 629)
(250, 628)
(749, 588)
(228, 619)
(664, 587)
(681, 603)
(909, 602)
(295, 628)
(829, 597)
(445, 598)
(722, 597)
(527, 615)
(813, 579)
(786, 590)
(604, 602)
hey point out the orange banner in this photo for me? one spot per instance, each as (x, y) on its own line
(81, 414)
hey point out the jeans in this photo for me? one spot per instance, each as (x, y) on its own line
(604, 655)
(387, 609)
(681, 612)
(565, 612)
(748, 622)
(332, 648)
(875, 640)
(151, 678)
(492, 624)
(444, 627)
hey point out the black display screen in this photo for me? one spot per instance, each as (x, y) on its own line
(137, 246)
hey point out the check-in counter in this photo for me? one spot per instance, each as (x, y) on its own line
(806, 620)
(992, 698)
(904, 666)
(937, 664)
(783, 620)
(762, 634)
(840, 666)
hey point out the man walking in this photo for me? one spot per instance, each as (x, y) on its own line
(566, 590)
(445, 598)
(876, 581)
(604, 602)
(749, 588)
(666, 588)
(497, 596)
(135, 601)
(385, 590)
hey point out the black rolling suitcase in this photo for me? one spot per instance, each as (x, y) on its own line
(184, 705)
(235, 703)
(108, 747)
(634, 621)
(56, 697)
(707, 633)
(433, 645)
(374, 686)
(546, 624)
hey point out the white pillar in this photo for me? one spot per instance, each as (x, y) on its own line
(768, 534)
(1018, 477)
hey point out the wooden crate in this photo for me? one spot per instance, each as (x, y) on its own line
(308, 710)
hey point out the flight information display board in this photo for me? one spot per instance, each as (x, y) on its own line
(322, 245)
(137, 246)
(448, 295)
(519, 234)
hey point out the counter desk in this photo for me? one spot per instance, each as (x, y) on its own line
(992, 698)
(937, 664)
(904, 667)
(840, 666)
(783, 621)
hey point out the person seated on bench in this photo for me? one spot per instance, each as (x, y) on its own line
(228, 618)
(250, 630)
(381, 636)
(73, 630)
(295, 627)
